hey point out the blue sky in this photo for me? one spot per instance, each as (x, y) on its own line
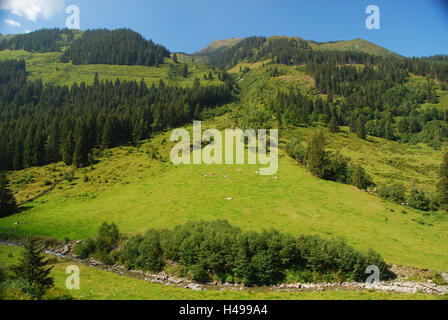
(408, 27)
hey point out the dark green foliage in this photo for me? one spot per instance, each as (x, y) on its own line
(2, 275)
(316, 155)
(338, 258)
(143, 252)
(85, 249)
(361, 179)
(217, 249)
(396, 192)
(262, 258)
(119, 47)
(361, 128)
(8, 204)
(337, 168)
(45, 40)
(60, 123)
(442, 185)
(33, 269)
(333, 125)
(418, 200)
(103, 246)
(185, 71)
(297, 151)
(208, 244)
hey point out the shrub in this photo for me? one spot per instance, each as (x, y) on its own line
(208, 249)
(85, 249)
(361, 179)
(398, 192)
(337, 168)
(103, 245)
(143, 253)
(419, 200)
(296, 150)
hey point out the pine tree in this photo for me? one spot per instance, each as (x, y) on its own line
(316, 155)
(8, 204)
(107, 137)
(175, 60)
(67, 150)
(361, 128)
(33, 268)
(81, 152)
(333, 124)
(185, 71)
(442, 186)
(360, 178)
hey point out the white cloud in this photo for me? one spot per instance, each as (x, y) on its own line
(33, 9)
(12, 23)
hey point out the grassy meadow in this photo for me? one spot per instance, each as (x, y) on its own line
(47, 66)
(138, 189)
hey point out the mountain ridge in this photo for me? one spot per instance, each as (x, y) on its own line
(216, 47)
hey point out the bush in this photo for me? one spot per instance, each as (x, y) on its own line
(337, 168)
(261, 258)
(103, 245)
(296, 150)
(398, 192)
(85, 249)
(144, 253)
(361, 179)
(217, 249)
(418, 200)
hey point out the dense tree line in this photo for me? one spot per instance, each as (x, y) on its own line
(119, 47)
(218, 250)
(44, 124)
(288, 51)
(45, 40)
(436, 67)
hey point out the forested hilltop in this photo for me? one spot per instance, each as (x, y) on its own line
(120, 47)
(371, 94)
(44, 124)
(115, 47)
(45, 40)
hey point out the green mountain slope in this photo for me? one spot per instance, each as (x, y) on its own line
(137, 188)
(216, 47)
(355, 45)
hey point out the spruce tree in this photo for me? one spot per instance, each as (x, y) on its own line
(185, 71)
(67, 150)
(333, 125)
(81, 152)
(360, 178)
(316, 155)
(361, 128)
(8, 204)
(33, 268)
(442, 186)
